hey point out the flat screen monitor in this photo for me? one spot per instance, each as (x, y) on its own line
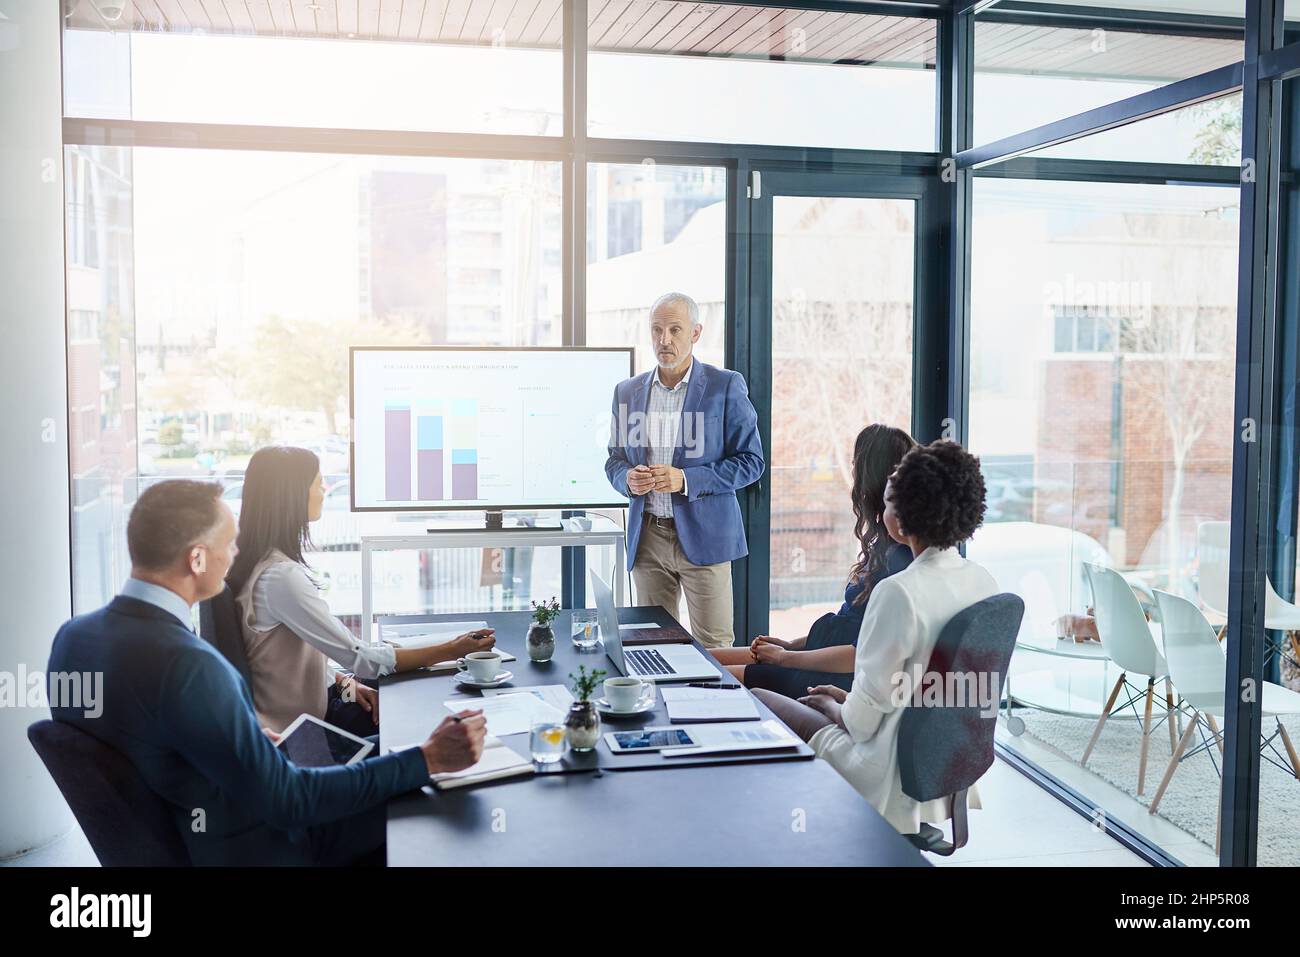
(443, 427)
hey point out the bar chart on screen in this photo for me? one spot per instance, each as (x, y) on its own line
(458, 429)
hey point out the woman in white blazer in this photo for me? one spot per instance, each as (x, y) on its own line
(933, 502)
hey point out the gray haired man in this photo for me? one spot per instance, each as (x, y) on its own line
(681, 471)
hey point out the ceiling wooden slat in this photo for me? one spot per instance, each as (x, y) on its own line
(687, 27)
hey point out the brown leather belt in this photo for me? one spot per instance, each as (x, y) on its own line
(648, 517)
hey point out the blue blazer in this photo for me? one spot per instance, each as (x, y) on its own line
(179, 712)
(726, 455)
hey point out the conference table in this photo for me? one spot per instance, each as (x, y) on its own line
(592, 810)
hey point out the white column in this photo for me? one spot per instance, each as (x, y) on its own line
(35, 579)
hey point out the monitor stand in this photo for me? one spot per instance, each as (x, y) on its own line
(495, 522)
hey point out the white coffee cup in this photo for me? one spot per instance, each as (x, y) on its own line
(481, 665)
(628, 694)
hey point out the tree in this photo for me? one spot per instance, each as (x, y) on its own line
(303, 363)
(1218, 141)
(1186, 348)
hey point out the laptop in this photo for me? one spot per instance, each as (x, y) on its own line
(671, 662)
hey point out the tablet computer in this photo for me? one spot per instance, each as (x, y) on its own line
(312, 743)
(649, 739)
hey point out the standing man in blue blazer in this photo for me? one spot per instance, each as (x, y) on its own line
(683, 440)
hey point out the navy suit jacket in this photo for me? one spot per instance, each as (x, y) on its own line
(718, 449)
(178, 711)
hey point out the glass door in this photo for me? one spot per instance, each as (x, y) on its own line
(834, 274)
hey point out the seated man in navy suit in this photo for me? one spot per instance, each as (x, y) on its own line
(684, 439)
(180, 712)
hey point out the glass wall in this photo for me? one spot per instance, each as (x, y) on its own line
(1029, 72)
(210, 322)
(843, 296)
(212, 294)
(102, 382)
(727, 73)
(1108, 443)
(654, 228)
(298, 66)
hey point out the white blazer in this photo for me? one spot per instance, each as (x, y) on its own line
(899, 631)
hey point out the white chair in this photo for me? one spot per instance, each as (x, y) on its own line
(1127, 640)
(1212, 540)
(1200, 672)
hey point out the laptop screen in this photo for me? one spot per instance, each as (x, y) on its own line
(607, 615)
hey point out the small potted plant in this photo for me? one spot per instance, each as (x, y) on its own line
(541, 638)
(583, 720)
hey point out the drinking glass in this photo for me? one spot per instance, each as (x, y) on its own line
(547, 741)
(585, 636)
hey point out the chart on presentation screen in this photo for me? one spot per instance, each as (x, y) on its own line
(435, 428)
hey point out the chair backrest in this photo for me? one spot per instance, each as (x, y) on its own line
(1212, 565)
(1121, 624)
(1196, 662)
(219, 625)
(126, 823)
(943, 750)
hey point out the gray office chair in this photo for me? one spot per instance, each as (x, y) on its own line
(127, 824)
(219, 625)
(943, 751)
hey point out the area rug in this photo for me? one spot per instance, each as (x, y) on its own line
(1190, 801)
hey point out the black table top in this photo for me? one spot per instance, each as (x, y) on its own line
(768, 809)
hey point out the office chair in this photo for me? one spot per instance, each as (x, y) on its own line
(127, 824)
(219, 625)
(943, 751)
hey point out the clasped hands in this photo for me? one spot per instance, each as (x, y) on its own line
(826, 699)
(655, 478)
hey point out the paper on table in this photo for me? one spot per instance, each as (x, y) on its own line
(424, 634)
(508, 713)
(498, 761)
(718, 738)
(633, 625)
(557, 696)
(709, 704)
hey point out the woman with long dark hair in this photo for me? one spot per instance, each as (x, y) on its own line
(289, 633)
(825, 655)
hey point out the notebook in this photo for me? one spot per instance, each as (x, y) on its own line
(498, 761)
(651, 634)
(697, 705)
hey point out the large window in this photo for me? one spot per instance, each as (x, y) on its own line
(469, 67)
(654, 228)
(843, 288)
(1028, 73)
(226, 288)
(1107, 441)
(739, 74)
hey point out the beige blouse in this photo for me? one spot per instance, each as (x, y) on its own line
(289, 676)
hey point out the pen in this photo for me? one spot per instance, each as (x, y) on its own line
(711, 685)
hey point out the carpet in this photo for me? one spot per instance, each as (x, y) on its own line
(1190, 801)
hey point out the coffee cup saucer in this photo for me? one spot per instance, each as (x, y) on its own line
(604, 707)
(467, 679)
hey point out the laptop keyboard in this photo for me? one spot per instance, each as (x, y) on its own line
(648, 662)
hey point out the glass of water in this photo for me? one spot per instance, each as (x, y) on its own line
(585, 634)
(547, 742)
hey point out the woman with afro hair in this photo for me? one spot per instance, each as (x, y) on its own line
(934, 501)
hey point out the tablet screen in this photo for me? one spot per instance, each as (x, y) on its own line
(313, 745)
(651, 740)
